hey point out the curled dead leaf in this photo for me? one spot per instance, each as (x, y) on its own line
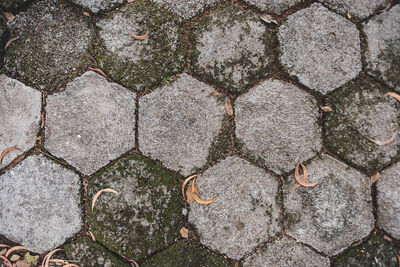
(228, 107)
(8, 149)
(387, 238)
(70, 265)
(215, 93)
(199, 200)
(85, 13)
(302, 181)
(140, 37)
(91, 236)
(184, 232)
(16, 248)
(386, 142)
(98, 71)
(190, 193)
(110, 190)
(326, 109)
(15, 257)
(375, 177)
(89, 56)
(6, 261)
(268, 19)
(131, 1)
(348, 15)
(393, 94)
(10, 41)
(4, 246)
(9, 16)
(46, 259)
(185, 183)
(42, 118)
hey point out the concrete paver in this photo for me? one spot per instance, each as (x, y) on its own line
(96, 6)
(273, 6)
(356, 8)
(186, 9)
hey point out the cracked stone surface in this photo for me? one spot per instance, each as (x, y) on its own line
(20, 116)
(152, 60)
(388, 197)
(98, 5)
(246, 212)
(178, 123)
(273, 6)
(286, 252)
(362, 111)
(91, 122)
(232, 48)
(39, 204)
(186, 9)
(357, 8)
(333, 214)
(315, 31)
(383, 51)
(286, 128)
(145, 217)
(49, 51)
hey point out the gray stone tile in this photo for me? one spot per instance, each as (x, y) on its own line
(13, 4)
(40, 204)
(273, 6)
(20, 116)
(357, 8)
(383, 50)
(285, 252)
(333, 214)
(232, 48)
(98, 5)
(186, 9)
(91, 122)
(246, 212)
(320, 48)
(178, 122)
(53, 38)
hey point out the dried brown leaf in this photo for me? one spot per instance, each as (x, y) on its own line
(70, 265)
(89, 56)
(22, 263)
(375, 177)
(185, 183)
(215, 93)
(8, 149)
(43, 120)
(85, 13)
(14, 249)
(4, 246)
(9, 16)
(190, 193)
(3, 251)
(386, 142)
(131, 1)
(110, 190)
(91, 236)
(228, 107)
(15, 257)
(326, 109)
(184, 232)
(393, 94)
(302, 181)
(348, 15)
(46, 260)
(268, 19)
(59, 261)
(6, 261)
(199, 200)
(140, 37)
(98, 71)
(10, 41)
(387, 238)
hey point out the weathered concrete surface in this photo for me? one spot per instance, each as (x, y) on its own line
(91, 122)
(320, 48)
(388, 198)
(333, 214)
(356, 8)
(98, 5)
(186, 253)
(39, 204)
(362, 111)
(186, 9)
(246, 212)
(285, 252)
(383, 50)
(20, 116)
(53, 38)
(13, 5)
(140, 64)
(275, 128)
(232, 48)
(273, 6)
(145, 217)
(178, 123)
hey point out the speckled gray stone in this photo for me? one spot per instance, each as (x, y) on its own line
(186, 9)
(246, 212)
(39, 204)
(333, 214)
(388, 197)
(178, 122)
(98, 5)
(273, 6)
(285, 252)
(383, 50)
(91, 122)
(12, 5)
(357, 8)
(20, 116)
(320, 48)
(275, 128)
(232, 48)
(53, 38)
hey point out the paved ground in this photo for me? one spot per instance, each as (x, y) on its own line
(136, 96)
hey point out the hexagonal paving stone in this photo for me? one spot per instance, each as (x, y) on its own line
(40, 204)
(388, 197)
(286, 252)
(374, 252)
(383, 51)
(20, 116)
(186, 9)
(246, 212)
(98, 5)
(275, 128)
(357, 8)
(232, 48)
(178, 122)
(362, 111)
(273, 6)
(333, 214)
(321, 48)
(148, 214)
(91, 122)
(53, 38)
(186, 253)
(141, 64)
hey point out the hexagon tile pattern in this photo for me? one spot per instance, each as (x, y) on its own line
(186, 9)
(333, 214)
(232, 48)
(39, 204)
(246, 212)
(357, 8)
(91, 122)
(20, 116)
(178, 123)
(273, 6)
(286, 127)
(320, 48)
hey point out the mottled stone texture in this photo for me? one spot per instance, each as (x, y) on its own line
(12, 5)
(39, 204)
(333, 214)
(98, 5)
(145, 217)
(357, 8)
(362, 111)
(140, 64)
(186, 9)
(320, 48)
(273, 6)
(53, 38)
(246, 212)
(275, 128)
(232, 48)
(91, 122)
